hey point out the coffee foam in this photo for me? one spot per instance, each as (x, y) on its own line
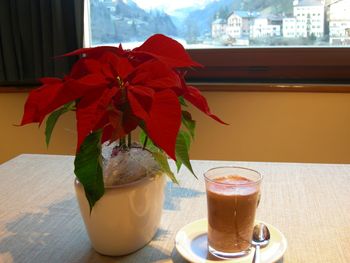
(232, 185)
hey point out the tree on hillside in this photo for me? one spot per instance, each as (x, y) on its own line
(278, 7)
(192, 33)
(223, 12)
(102, 26)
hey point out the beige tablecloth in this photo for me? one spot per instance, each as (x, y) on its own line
(40, 220)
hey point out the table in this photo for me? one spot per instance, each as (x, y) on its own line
(40, 219)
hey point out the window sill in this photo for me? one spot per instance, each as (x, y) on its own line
(236, 87)
(272, 87)
(17, 89)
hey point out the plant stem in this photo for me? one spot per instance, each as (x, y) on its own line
(122, 143)
(129, 139)
(145, 143)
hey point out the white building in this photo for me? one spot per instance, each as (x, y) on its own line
(218, 28)
(234, 26)
(310, 15)
(264, 27)
(289, 27)
(247, 20)
(339, 23)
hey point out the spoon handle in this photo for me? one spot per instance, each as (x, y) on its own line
(256, 258)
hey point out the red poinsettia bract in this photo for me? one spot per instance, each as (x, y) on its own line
(117, 90)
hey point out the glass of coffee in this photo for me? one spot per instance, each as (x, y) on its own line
(232, 197)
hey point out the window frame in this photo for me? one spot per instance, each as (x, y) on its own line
(257, 65)
(298, 69)
(272, 65)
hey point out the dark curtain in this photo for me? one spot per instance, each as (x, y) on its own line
(33, 33)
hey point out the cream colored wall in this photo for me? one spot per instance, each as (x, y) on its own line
(30, 139)
(276, 126)
(264, 126)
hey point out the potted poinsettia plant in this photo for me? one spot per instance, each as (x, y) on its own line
(113, 91)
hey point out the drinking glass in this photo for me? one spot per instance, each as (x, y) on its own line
(233, 194)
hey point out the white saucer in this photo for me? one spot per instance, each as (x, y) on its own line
(191, 242)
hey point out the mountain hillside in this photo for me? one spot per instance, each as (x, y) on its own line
(123, 20)
(274, 7)
(198, 22)
(135, 24)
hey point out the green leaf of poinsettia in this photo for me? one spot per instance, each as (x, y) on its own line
(52, 119)
(88, 168)
(162, 160)
(179, 160)
(183, 142)
(158, 155)
(188, 122)
(178, 165)
(182, 101)
(149, 144)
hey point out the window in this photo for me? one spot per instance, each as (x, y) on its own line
(261, 49)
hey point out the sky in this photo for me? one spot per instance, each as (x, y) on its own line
(169, 5)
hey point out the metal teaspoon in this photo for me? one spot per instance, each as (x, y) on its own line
(261, 238)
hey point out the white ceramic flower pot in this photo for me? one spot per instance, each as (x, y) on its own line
(126, 217)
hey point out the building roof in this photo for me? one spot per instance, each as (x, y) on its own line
(275, 18)
(270, 17)
(219, 21)
(245, 14)
(308, 3)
